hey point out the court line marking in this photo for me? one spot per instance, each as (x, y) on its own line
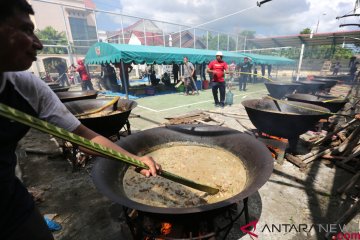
(191, 104)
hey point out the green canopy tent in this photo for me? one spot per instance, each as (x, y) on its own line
(114, 53)
(102, 52)
(268, 59)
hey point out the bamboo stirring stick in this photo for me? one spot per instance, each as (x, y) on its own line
(112, 102)
(43, 126)
(332, 100)
(310, 109)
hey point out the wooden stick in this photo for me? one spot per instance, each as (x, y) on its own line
(354, 136)
(352, 106)
(330, 157)
(345, 166)
(295, 160)
(335, 99)
(227, 114)
(179, 83)
(247, 128)
(312, 153)
(348, 184)
(310, 159)
(329, 135)
(352, 156)
(345, 218)
(351, 146)
(341, 135)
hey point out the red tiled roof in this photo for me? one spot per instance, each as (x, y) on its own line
(152, 39)
(89, 4)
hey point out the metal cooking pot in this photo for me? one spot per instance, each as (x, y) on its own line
(280, 89)
(60, 89)
(329, 83)
(283, 120)
(108, 174)
(327, 102)
(108, 125)
(76, 95)
(287, 122)
(310, 87)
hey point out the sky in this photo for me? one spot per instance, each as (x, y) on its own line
(275, 18)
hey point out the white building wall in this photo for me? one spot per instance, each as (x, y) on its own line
(134, 40)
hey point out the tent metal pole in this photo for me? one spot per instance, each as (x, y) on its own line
(300, 61)
(124, 77)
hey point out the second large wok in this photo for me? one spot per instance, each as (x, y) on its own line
(329, 83)
(76, 95)
(281, 119)
(333, 103)
(310, 87)
(108, 174)
(107, 125)
(280, 89)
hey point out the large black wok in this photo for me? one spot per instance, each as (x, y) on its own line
(310, 87)
(76, 95)
(108, 174)
(327, 102)
(53, 84)
(280, 89)
(342, 77)
(283, 120)
(60, 89)
(105, 125)
(329, 83)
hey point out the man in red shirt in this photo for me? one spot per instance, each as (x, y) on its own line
(217, 68)
(85, 78)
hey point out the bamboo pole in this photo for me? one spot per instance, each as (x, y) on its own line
(43, 126)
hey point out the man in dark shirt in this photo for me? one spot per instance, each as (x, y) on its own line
(61, 69)
(175, 71)
(19, 218)
(244, 67)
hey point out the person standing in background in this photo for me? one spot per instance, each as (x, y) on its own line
(336, 68)
(245, 68)
(218, 68)
(202, 71)
(175, 71)
(85, 77)
(263, 70)
(188, 73)
(72, 74)
(269, 70)
(255, 77)
(61, 69)
(124, 82)
(108, 74)
(232, 68)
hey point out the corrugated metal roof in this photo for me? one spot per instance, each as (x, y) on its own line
(337, 38)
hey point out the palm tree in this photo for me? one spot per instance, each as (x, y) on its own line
(50, 36)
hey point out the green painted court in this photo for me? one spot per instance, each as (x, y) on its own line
(153, 110)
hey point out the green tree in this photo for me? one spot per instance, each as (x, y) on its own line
(319, 51)
(306, 31)
(223, 40)
(49, 36)
(243, 36)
